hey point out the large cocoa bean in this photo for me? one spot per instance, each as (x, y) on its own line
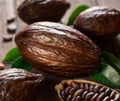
(57, 49)
(99, 23)
(32, 11)
(19, 85)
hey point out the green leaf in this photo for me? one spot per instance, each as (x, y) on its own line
(107, 75)
(76, 12)
(112, 60)
(11, 55)
(21, 63)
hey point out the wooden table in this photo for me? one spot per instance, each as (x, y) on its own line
(6, 46)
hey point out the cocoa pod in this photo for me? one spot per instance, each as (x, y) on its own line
(58, 49)
(31, 11)
(99, 23)
(19, 85)
(84, 90)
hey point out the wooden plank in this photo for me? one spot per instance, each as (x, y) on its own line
(111, 3)
(4, 46)
(10, 9)
(21, 24)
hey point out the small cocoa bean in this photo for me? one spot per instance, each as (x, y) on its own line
(97, 88)
(11, 27)
(89, 96)
(82, 85)
(101, 96)
(78, 98)
(7, 38)
(87, 85)
(2, 66)
(112, 95)
(79, 92)
(84, 93)
(94, 97)
(108, 91)
(69, 98)
(107, 98)
(10, 20)
(73, 99)
(75, 84)
(102, 89)
(72, 91)
(63, 94)
(117, 97)
(91, 88)
(67, 89)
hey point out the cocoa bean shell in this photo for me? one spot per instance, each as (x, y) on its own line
(19, 85)
(31, 11)
(99, 22)
(57, 49)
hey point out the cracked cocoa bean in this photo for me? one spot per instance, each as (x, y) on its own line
(83, 94)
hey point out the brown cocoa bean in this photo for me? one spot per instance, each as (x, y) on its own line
(19, 85)
(12, 27)
(58, 49)
(99, 23)
(32, 11)
(107, 98)
(81, 94)
(7, 38)
(89, 96)
(2, 66)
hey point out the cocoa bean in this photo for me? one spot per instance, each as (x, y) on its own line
(81, 94)
(58, 49)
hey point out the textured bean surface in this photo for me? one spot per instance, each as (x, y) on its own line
(84, 91)
(58, 49)
(4, 47)
(99, 22)
(32, 11)
(19, 85)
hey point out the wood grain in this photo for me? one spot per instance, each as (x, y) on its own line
(4, 46)
(111, 3)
